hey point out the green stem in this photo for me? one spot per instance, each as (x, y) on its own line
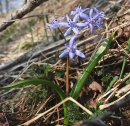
(125, 58)
(62, 35)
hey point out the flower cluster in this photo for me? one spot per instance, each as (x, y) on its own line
(90, 20)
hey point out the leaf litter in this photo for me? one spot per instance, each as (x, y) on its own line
(27, 105)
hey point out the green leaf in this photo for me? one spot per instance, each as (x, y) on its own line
(43, 82)
(35, 82)
(125, 58)
(111, 83)
(89, 68)
(107, 77)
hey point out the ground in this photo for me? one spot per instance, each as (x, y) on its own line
(39, 49)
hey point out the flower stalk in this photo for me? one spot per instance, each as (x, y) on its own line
(91, 20)
(67, 67)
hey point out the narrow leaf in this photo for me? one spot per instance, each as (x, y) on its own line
(35, 82)
(112, 82)
(89, 68)
(125, 58)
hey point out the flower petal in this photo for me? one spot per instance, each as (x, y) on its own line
(65, 24)
(51, 25)
(98, 24)
(86, 23)
(54, 25)
(81, 25)
(78, 53)
(76, 17)
(53, 19)
(83, 10)
(91, 27)
(79, 8)
(95, 17)
(72, 41)
(99, 14)
(86, 17)
(67, 45)
(73, 12)
(66, 52)
(91, 13)
(83, 16)
(75, 30)
(102, 14)
(96, 10)
(68, 31)
(67, 17)
(71, 55)
(62, 19)
(100, 20)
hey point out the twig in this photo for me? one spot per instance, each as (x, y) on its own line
(107, 114)
(116, 85)
(110, 95)
(54, 107)
(123, 90)
(122, 80)
(35, 15)
(109, 104)
(44, 103)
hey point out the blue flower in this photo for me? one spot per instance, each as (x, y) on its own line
(72, 25)
(94, 19)
(100, 15)
(79, 12)
(71, 49)
(55, 24)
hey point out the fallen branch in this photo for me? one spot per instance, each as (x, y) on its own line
(25, 9)
(46, 50)
(28, 55)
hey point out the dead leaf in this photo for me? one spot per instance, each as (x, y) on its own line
(78, 123)
(96, 86)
